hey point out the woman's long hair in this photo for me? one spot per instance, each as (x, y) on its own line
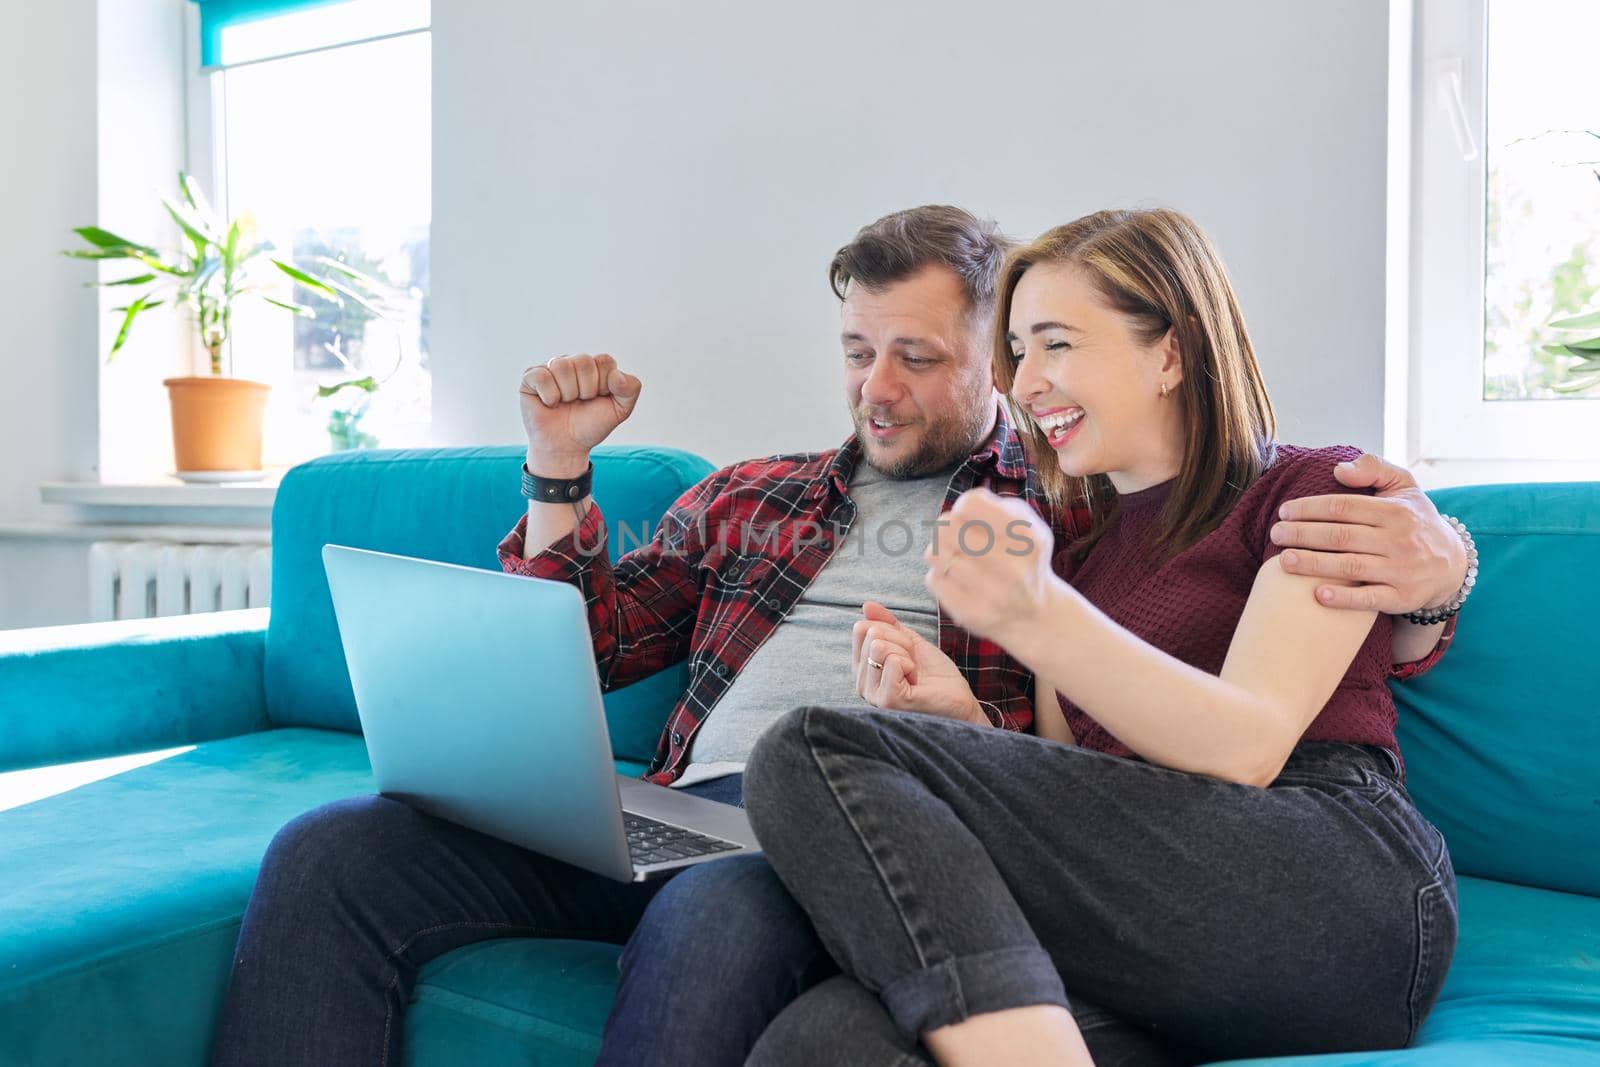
(1159, 270)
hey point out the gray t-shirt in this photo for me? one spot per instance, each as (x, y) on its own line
(807, 658)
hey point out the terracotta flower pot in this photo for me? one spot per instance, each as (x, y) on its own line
(216, 423)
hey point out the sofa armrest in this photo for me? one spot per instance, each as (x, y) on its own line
(78, 692)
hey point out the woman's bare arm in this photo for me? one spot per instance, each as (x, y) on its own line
(1287, 656)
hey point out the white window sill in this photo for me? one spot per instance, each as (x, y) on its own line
(160, 509)
(165, 493)
(196, 533)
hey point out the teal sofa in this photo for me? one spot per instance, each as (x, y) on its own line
(173, 749)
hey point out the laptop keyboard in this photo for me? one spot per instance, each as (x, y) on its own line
(650, 841)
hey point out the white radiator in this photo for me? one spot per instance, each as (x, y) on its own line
(144, 579)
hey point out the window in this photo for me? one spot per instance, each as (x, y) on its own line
(1543, 200)
(1506, 235)
(320, 128)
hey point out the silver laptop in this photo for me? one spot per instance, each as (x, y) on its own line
(480, 703)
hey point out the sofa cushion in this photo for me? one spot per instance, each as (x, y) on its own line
(514, 1002)
(453, 505)
(1524, 988)
(123, 896)
(1500, 739)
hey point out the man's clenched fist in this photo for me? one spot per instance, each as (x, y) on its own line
(569, 405)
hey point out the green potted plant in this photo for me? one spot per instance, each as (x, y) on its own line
(216, 419)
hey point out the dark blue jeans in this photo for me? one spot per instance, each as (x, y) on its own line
(355, 897)
(953, 870)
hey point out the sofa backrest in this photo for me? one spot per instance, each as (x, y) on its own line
(449, 504)
(1502, 738)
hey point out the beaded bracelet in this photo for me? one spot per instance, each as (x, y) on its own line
(1429, 616)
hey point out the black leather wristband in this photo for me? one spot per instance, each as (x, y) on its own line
(556, 490)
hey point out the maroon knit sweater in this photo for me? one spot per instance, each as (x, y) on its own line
(1189, 606)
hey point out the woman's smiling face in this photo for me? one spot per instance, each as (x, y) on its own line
(1091, 384)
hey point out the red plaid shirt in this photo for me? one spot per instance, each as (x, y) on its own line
(729, 560)
(733, 555)
(1403, 671)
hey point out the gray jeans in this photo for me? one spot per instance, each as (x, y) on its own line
(953, 870)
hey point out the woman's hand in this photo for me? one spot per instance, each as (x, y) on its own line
(989, 566)
(912, 674)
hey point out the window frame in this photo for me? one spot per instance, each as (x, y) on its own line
(1452, 429)
(204, 156)
(205, 149)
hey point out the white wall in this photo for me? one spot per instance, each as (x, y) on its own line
(668, 182)
(142, 148)
(48, 383)
(92, 114)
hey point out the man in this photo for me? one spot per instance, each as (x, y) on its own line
(756, 578)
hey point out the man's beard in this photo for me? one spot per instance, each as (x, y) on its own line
(944, 443)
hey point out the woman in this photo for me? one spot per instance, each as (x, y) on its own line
(1210, 837)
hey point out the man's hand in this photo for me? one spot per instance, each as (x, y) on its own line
(913, 675)
(1395, 544)
(569, 405)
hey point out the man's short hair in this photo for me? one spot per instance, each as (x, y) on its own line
(899, 245)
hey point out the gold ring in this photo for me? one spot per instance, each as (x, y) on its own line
(874, 664)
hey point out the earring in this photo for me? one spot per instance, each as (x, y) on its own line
(1163, 390)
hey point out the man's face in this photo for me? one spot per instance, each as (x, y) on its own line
(917, 373)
